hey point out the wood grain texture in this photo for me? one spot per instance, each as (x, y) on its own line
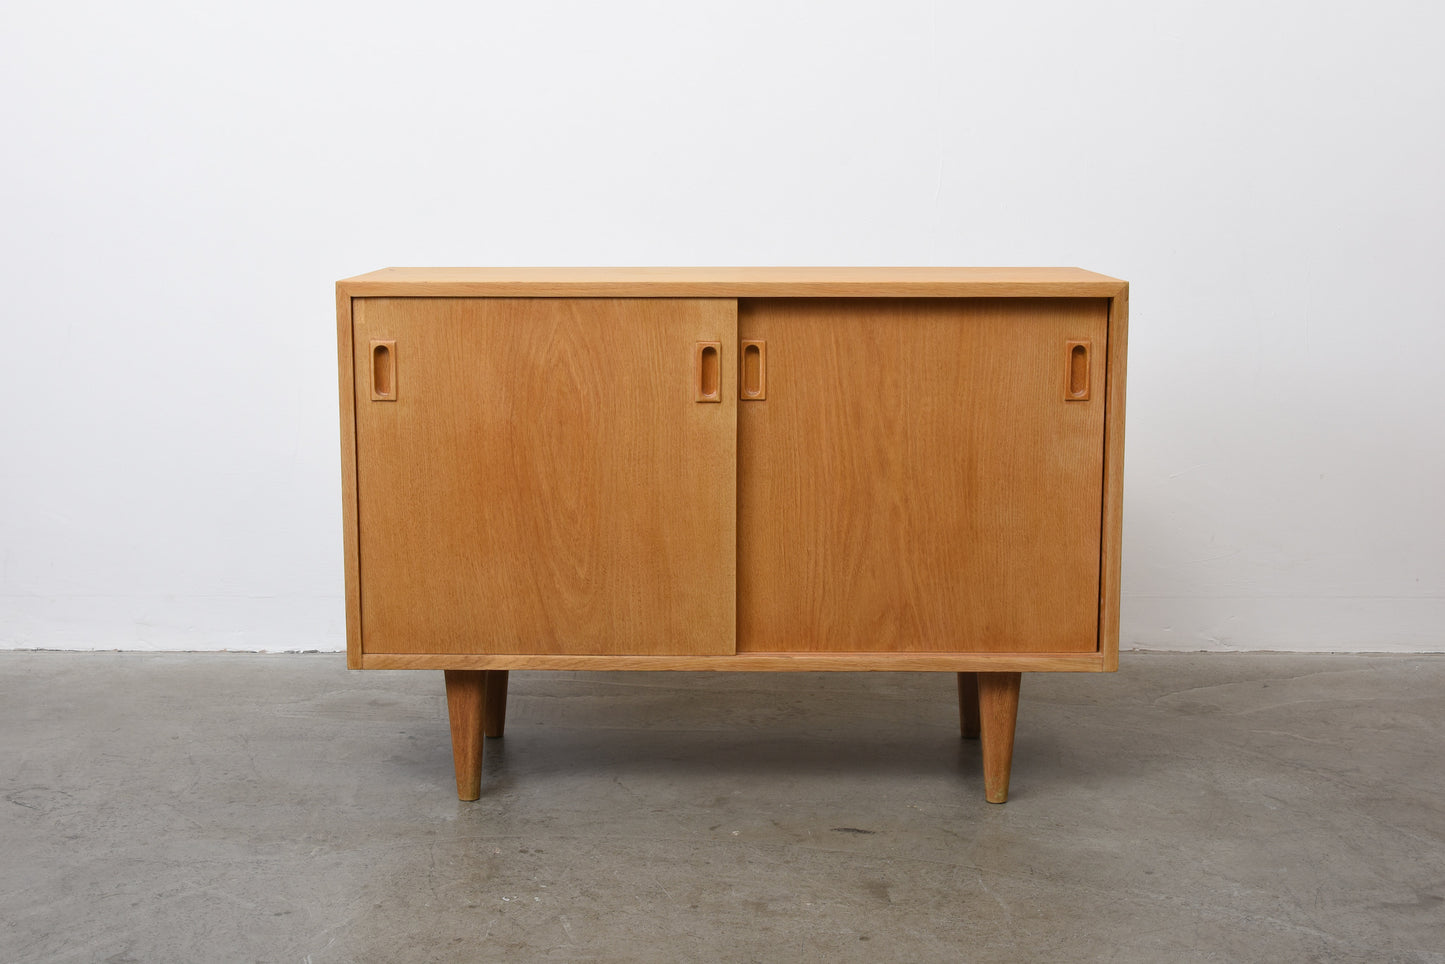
(756, 662)
(727, 282)
(998, 709)
(466, 695)
(1112, 524)
(349, 537)
(923, 282)
(968, 705)
(544, 482)
(915, 483)
(496, 703)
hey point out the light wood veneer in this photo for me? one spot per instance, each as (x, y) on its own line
(756, 469)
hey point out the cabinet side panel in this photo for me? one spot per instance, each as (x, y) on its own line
(346, 379)
(543, 480)
(1113, 515)
(915, 480)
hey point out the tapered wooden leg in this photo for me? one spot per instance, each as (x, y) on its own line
(466, 700)
(496, 702)
(968, 705)
(998, 709)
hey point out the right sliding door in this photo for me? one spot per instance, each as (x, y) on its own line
(920, 475)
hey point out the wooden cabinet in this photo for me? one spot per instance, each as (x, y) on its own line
(732, 469)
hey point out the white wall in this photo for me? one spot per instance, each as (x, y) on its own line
(180, 186)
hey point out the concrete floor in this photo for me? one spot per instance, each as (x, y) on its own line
(278, 808)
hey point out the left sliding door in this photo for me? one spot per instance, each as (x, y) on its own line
(546, 476)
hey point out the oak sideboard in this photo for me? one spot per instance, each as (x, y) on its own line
(757, 469)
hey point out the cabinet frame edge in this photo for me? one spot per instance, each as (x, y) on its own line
(398, 283)
(350, 530)
(1112, 515)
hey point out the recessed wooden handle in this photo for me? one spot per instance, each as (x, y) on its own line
(1076, 371)
(383, 371)
(753, 371)
(707, 371)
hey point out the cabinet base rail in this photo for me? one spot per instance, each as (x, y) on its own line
(757, 662)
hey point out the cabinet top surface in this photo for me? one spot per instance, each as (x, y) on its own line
(734, 282)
